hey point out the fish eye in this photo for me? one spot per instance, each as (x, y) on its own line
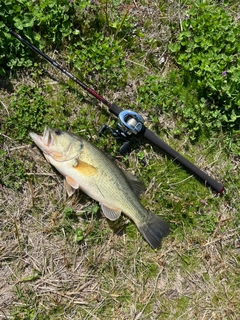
(58, 132)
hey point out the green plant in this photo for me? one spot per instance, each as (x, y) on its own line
(100, 57)
(13, 169)
(202, 92)
(118, 25)
(45, 22)
(79, 25)
(170, 95)
(31, 111)
(206, 52)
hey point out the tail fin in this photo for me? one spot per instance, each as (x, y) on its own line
(153, 230)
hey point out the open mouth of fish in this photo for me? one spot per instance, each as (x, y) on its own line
(47, 138)
(45, 141)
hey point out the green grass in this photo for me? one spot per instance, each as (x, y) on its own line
(60, 258)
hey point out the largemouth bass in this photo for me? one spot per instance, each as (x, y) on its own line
(86, 167)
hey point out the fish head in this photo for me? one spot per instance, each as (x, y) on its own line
(57, 144)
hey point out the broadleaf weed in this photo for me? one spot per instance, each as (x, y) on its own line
(207, 54)
(203, 90)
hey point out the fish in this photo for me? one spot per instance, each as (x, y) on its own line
(86, 167)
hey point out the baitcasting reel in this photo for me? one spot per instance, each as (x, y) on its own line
(129, 123)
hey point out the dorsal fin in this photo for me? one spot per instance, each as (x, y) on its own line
(136, 185)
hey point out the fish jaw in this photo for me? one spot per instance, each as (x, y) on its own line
(46, 143)
(43, 142)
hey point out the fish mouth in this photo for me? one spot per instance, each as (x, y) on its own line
(47, 137)
(45, 141)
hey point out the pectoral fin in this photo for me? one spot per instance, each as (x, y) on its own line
(111, 214)
(84, 168)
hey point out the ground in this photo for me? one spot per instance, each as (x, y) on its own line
(61, 258)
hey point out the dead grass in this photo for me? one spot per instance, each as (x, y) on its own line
(110, 274)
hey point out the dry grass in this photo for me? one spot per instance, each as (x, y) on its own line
(43, 269)
(113, 274)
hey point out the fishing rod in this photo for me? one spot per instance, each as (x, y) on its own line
(129, 123)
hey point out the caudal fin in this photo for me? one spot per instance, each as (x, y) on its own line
(153, 230)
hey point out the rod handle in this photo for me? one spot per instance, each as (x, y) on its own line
(149, 135)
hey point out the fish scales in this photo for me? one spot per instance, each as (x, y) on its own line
(113, 179)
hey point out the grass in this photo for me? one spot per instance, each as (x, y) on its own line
(47, 270)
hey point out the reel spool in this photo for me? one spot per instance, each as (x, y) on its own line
(130, 122)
